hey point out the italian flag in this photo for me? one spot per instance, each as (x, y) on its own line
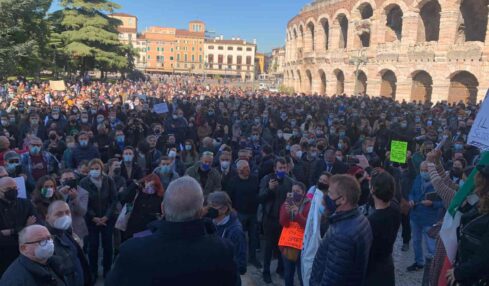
(451, 221)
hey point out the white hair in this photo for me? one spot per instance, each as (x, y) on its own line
(25, 233)
(183, 200)
(241, 163)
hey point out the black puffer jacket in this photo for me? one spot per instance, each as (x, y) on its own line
(343, 255)
(100, 203)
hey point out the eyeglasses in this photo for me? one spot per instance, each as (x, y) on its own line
(14, 162)
(41, 242)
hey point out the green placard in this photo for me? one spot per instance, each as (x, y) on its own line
(398, 151)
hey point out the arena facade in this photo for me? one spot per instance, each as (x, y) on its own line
(413, 50)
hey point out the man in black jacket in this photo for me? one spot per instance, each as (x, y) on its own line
(273, 191)
(181, 251)
(243, 190)
(15, 214)
(329, 164)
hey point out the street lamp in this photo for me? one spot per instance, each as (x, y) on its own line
(357, 61)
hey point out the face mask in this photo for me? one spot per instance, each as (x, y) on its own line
(52, 136)
(297, 197)
(84, 120)
(205, 167)
(149, 190)
(340, 146)
(339, 158)
(403, 125)
(12, 120)
(370, 149)
(35, 150)
(225, 164)
(172, 154)
(322, 186)
(425, 176)
(70, 183)
(298, 154)
(128, 158)
(47, 193)
(188, 147)
(458, 147)
(280, 135)
(63, 222)
(119, 139)
(55, 116)
(11, 166)
(331, 204)
(11, 194)
(83, 143)
(314, 154)
(212, 213)
(100, 119)
(45, 252)
(457, 171)
(95, 173)
(165, 169)
(342, 133)
(4, 122)
(34, 121)
(280, 174)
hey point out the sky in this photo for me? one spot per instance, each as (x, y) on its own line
(263, 20)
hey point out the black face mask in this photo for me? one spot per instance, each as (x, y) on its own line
(212, 213)
(11, 194)
(117, 171)
(457, 172)
(70, 183)
(323, 187)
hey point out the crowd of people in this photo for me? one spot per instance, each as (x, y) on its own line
(181, 183)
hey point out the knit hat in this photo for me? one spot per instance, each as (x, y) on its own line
(9, 155)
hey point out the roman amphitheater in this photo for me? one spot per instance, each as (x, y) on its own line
(413, 50)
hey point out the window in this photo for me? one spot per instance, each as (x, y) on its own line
(210, 59)
(220, 59)
(211, 47)
(249, 49)
(200, 58)
(147, 49)
(171, 59)
(171, 50)
(158, 49)
(239, 48)
(185, 57)
(193, 49)
(230, 60)
(248, 60)
(193, 58)
(148, 57)
(178, 57)
(230, 48)
(220, 48)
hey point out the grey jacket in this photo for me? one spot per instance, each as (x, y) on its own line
(213, 183)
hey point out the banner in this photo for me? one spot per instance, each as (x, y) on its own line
(160, 108)
(292, 236)
(479, 133)
(398, 151)
(58, 85)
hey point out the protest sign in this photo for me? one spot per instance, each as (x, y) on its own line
(479, 133)
(20, 182)
(160, 108)
(292, 236)
(58, 85)
(398, 151)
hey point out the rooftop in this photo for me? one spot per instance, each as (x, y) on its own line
(122, 15)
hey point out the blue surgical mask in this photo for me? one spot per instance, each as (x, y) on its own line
(280, 174)
(128, 158)
(83, 143)
(165, 169)
(11, 166)
(94, 173)
(188, 147)
(458, 147)
(205, 167)
(425, 176)
(35, 150)
(120, 139)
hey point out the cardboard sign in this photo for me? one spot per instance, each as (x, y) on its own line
(398, 151)
(479, 133)
(20, 182)
(160, 108)
(292, 236)
(58, 85)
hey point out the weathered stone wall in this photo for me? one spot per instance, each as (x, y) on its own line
(412, 50)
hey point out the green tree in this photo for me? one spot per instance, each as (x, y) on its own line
(23, 36)
(84, 37)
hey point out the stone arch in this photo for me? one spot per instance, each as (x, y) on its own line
(393, 14)
(308, 87)
(340, 81)
(362, 13)
(464, 86)
(473, 20)
(365, 10)
(429, 21)
(388, 84)
(360, 82)
(356, 11)
(311, 34)
(298, 87)
(422, 86)
(324, 22)
(342, 22)
(294, 30)
(322, 81)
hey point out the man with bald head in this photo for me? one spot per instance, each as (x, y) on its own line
(15, 214)
(76, 271)
(34, 266)
(183, 250)
(243, 190)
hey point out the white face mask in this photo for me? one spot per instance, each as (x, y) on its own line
(45, 252)
(62, 223)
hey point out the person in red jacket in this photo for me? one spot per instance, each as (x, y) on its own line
(294, 209)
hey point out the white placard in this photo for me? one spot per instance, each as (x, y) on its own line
(20, 182)
(479, 133)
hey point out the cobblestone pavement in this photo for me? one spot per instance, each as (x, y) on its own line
(401, 261)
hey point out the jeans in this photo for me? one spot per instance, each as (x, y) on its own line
(272, 231)
(289, 270)
(420, 233)
(250, 225)
(94, 235)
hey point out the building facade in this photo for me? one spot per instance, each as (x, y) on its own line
(413, 50)
(230, 58)
(128, 29)
(277, 62)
